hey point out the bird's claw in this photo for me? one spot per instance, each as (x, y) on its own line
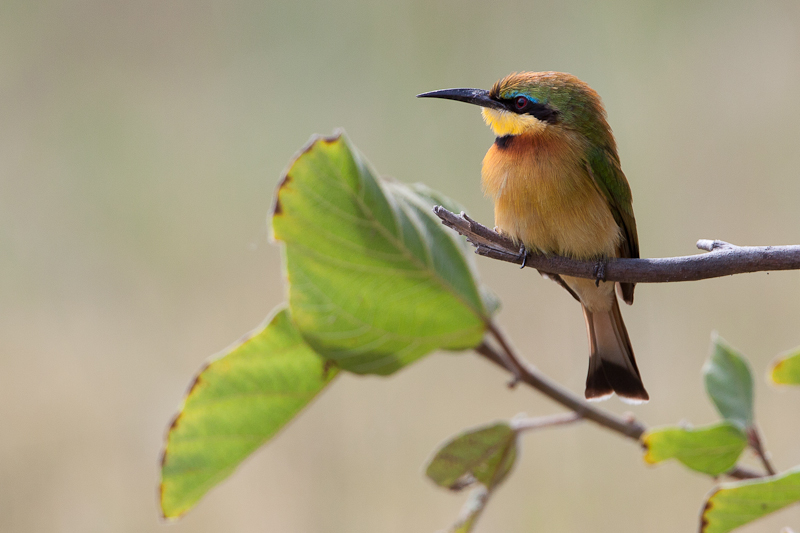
(523, 254)
(599, 272)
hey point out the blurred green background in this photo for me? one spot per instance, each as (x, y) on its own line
(140, 143)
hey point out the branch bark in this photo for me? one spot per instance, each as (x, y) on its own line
(532, 377)
(723, 259)
(525, 372)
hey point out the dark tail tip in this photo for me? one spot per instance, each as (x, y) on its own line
(626, 384)
(612, 366)
(597, 384)
(605, 378)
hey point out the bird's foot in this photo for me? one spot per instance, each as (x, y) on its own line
(599, 272)
(523, 254)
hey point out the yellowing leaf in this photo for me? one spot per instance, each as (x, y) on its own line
(786, 369)
(236, 404)
(711, 450)
(735, 504)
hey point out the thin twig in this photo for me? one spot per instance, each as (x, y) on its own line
(541, 422)
(723, 258)
(757, 444)
(528, 374)
(472, 509)
(628, 427)
(741, 472)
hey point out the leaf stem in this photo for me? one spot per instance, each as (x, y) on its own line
(741, 472)
(757, 444)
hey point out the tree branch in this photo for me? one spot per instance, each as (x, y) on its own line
(724, 259)
(531, 376)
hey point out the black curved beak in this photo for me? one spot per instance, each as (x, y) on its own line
(470, 96)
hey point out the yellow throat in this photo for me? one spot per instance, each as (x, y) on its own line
(506, 123)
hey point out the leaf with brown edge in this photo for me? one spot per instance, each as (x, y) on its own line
(786, 368)
(735, 504)
(235, 404)
(375, 280)
(712, 449)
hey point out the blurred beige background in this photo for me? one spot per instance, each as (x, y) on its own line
(140, 143)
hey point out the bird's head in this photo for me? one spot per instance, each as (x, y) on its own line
(532, 102)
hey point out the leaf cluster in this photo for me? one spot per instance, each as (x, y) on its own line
(374, 283)
(715, 449)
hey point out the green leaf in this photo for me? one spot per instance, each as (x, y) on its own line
(485, 455)
(375, 280)
(711, 450)
(786, 369)
(735, 504)
(236, 404)
(729, 383)
(433, 197)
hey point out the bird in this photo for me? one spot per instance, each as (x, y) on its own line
(558, 188)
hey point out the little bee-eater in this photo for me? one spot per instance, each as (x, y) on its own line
(558, 188)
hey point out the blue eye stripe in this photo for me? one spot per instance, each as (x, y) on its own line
(516, 94)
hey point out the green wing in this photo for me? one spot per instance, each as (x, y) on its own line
(604, 168)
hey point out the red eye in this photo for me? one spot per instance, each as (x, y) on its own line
(520, 102)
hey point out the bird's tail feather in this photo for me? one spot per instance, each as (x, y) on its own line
(612, 367)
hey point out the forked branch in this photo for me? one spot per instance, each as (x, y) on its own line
(524, 372)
